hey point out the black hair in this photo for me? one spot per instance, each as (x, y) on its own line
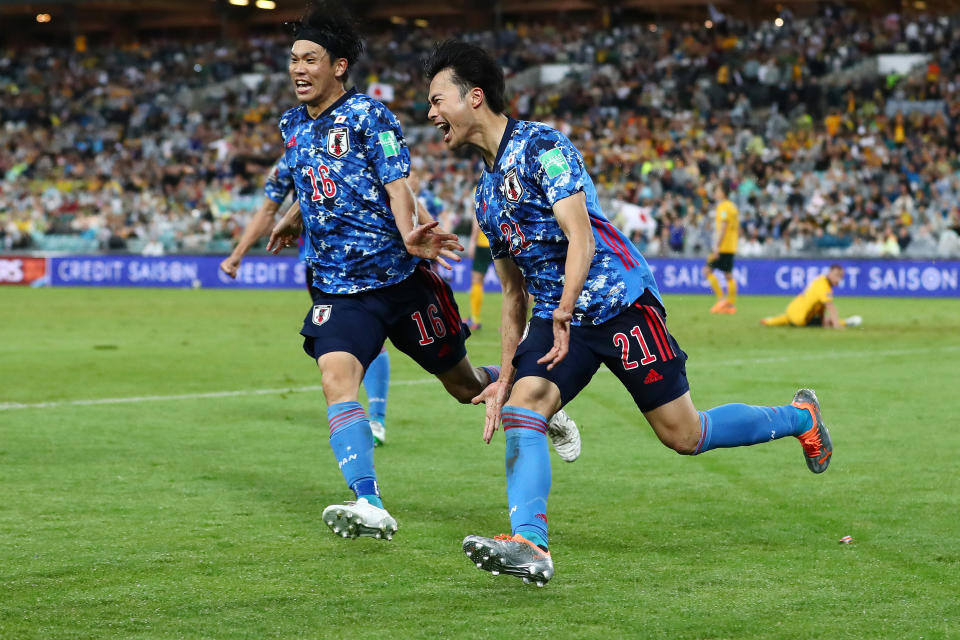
(472, 67)
(330, 25)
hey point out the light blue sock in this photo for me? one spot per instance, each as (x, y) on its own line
(735, 425)
(528, 472)
(492, 371)
(352, 444)
(376, 382)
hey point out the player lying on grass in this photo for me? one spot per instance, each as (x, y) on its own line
(596, 303)
(366, 251)
(814, 307)
(278, 185)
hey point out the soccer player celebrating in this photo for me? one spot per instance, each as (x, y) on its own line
(365, 256)
(814, 307)
(725, 233)
(596, 303)
(277, 187)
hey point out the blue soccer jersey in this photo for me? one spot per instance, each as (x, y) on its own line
(340, 162)
(535, 167)
(279, 182)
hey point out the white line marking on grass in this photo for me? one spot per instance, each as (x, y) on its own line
(9, 406)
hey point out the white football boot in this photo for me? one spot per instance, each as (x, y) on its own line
(358, 518)
(379, 433)
(564, 435)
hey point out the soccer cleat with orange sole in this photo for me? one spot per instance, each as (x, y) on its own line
(512, 555)
(719, 307)
(816, 442)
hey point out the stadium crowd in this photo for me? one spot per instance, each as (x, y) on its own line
(163, 146)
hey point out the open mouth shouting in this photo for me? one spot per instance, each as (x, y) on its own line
(303, 87)
(444, 127)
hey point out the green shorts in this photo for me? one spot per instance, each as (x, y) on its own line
(481, 259)
(724, 262)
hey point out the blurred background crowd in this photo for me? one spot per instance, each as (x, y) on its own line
(163, 145)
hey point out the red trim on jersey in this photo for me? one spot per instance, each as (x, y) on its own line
(614, 243)
(616, 238)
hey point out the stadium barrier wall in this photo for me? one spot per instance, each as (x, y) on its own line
(22, 270)
(756, 276)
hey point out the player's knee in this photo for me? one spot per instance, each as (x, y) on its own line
(680, 437)
(681, 443)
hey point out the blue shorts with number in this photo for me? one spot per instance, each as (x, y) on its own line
(419, 315)
(635, 345)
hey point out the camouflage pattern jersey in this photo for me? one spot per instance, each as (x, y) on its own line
(535, 167)
(340, 162)
(279, 182)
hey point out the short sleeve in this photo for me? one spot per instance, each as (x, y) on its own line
(279, 182)
(826, 292)
(555, 165)
(386, 149)
(498, 248)
(722, 213)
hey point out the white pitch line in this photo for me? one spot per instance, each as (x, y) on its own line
(7, 406)
(10, 406)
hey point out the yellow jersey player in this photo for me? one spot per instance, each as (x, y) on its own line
(726, 230)
(814, 307)
(479, 251)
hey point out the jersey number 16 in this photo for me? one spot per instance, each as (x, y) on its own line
(328, 186)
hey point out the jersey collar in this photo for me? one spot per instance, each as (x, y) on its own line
(349, 94)
(504, 141)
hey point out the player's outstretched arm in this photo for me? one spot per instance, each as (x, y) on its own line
(831, 319)
(258, 226)
(287, 230)
(571, 213)
(421, 240)
(513, 318)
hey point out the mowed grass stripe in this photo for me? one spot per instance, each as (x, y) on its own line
(200, 519)
(704, 364)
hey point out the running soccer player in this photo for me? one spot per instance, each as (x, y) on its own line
(596, 303)
(725, 233)
(366, 256)
(814, 307)
(278, 185)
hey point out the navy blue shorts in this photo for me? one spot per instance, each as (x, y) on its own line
(418, 315)
(635, 346)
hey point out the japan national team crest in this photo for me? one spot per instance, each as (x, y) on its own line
(321, 313)
(338, 142)
(512, 188)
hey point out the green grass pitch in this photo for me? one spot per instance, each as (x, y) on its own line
(139, 499)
